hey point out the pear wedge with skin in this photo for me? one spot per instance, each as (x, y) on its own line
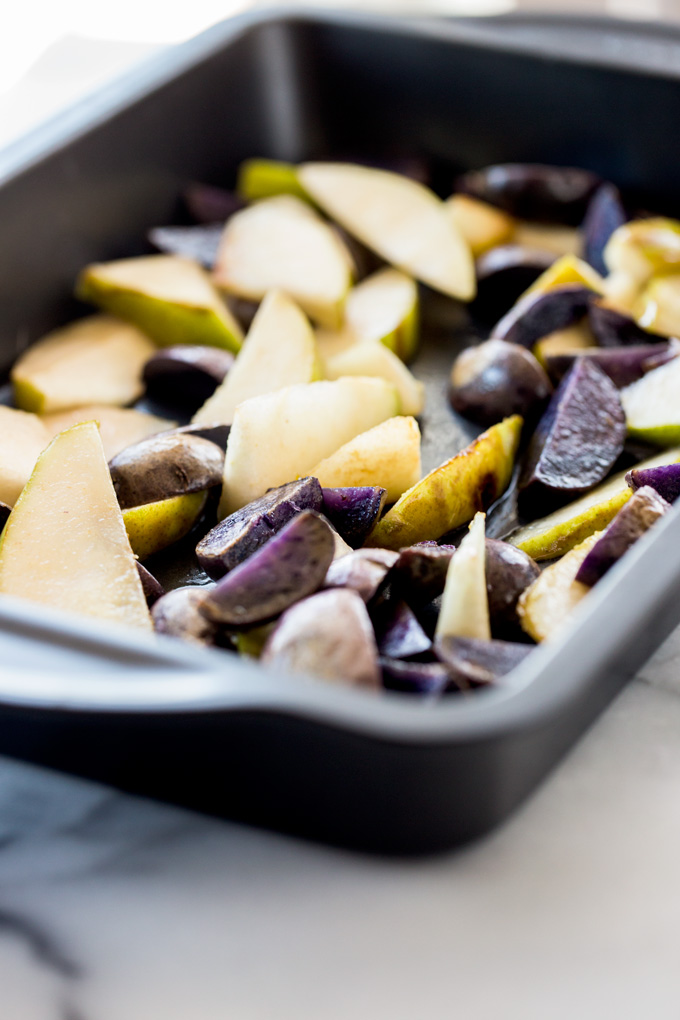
(375, 360)
(265, 178)
(118, 426)
(652, 406)
(29, 437)
(544, 607)
(385, 307)
(154, 526)
(465, 606)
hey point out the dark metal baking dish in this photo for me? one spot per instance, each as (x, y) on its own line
(219, 734)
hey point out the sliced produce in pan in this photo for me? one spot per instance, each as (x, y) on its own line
(424, 679)
(450, 495)
(509, 571)
(503, 275)
(539, 314)
(155, 526)
(475, 662)
(497, 379)
(614, 328)
(534, 191)
(280, 436)
(642, 248)
(385, 307)
(419, 574)
(25, 439)
(652, 405)
(400, 219)
(177, 614)
(571, 340)
(555, 239)
(264, 178)
(96, 360)
(368, 359)
(186, 374)
(566, 272)
(399, 633)
(623, 365)
(605, 215)
(465, 609)
(545, 606)
(664, 479)
(482, 225)
(363, 570)
(118, 426)
(353, 510)
(279, 350)
(171, 299)
(658, 308)
(151, 586)
(280, 243)
(163, 466)
(65, 544)
(200, 243)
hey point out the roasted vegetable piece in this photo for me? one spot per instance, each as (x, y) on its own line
(419, 573)
(329, 636)
(263, 178)
(153, 589)
(27, 437)
(186, 374)
(208, 204)
(665, 479)
(465, 609)
(385, 308)
(118, 426)
(623, 365)
(353, 510)
(482, 225)
(289, 567)
(497, 379)
(420, 678)
(242, 533)
(577, 440)
(508, 572)
(5, 511)
(635, 517)
(177, 615)
(399, 633)
(199, 243)
(364, 570)
(546, 604)
(612, 328)
(533, 191)
(503, 275)
(538, 314)
(473, 662)
(652, 407)
(604, 215)
(165, 465)
(155, 526)
(218, 434)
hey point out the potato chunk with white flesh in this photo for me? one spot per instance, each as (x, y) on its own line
(544, 606)
(465, 608)
(24, 439)
(281, 243)
(280, 436)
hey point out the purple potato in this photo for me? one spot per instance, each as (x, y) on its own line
(509, 571)
(422, 678)
(209, 204)
(474, 663)
(539, 314)
(217, 434)
(614, 329)
(167, 464)
(242, 309)
(186, 374)
(328, 636)
(419, 574)
(670, 350)
(664, 479)
(623, 365)
(502, 517)
(503, 274)
(533, 191)
(635, 517)
(153, 589)
(604, 215)
(241, 534)
(353, 511)
(199, 243)
(399, 634)
(363, 570)
(5, 511)
(495, 380)
(577, 440)
(289, 567)
(177, 614)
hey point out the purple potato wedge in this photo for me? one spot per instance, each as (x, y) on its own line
(153, 589)
(177, 615)
(495, 380)
(426, 679)
(167, 464)
(576, 443)
(353, 511)
(538, 314)
(503, 274)
(199, 243)
(533, 191)
(473, 662)
(399, 633)
(635, 517)
(217, 434)
(5, 511)
(671, 350)
(241, 534)
(291, 566)
(509, 571)
(623, 365)
(604, 215)
(419, 574)
(207, 203)
(186, 374)
(665, 480)
(363, 570)
(614, 329)
(328, 636)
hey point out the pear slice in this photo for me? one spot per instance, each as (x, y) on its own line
(565, 271)
(400, 219)
(172, 299)
(154, 526)
(264, 178)
(560, 531)
(451, 494)
(25, 439)
(578, 337)
(657, 309)
(482, 225)
(65, 543)
(118, 426)
(544, 606)
(279, 436)
(281, 243)
(465, 606)
(554, 238)
(652, 405)
(388, 455)
(97, 360)
(384, 307)
(375, 360)
(279, 350)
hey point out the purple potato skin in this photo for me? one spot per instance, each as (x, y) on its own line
(291, 566)
(419, 574)
(177, 615)
(623, 365)
(424, 679)
(199, 243)
(353, 511)
(328, 636)
(604, 215)
(537, 315)
(363, 570)
(495, 380)
(5, 511)
(165, 465)
(671, 350)
(241, 534)
(533, 191)
(503, 274)
(614, 329)
(476, 663)
(635, 517)
(399, 634)
(217, 434)
(508, 572)
(577, 441)
(664, 479)
(186, 374)
(153, 589)
(208, 204)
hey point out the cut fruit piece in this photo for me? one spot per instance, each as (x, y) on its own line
(558, 240)
(65, 544)
(280, 243)
(482, 225)
(25, 439)
(280, 436)
(641, 248)
(279, 350)
(118, 426)
(567, 271)
(652, 405)
(401, 220)
(388, 455)
(264, 178)
(465, 609)
(171, 299)
(451, 494)
(155, 526)
(385, 307)
(658, 307)
(560, 531)
(545, 606)
(366, 359)
(574, 339)
(97, 360)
